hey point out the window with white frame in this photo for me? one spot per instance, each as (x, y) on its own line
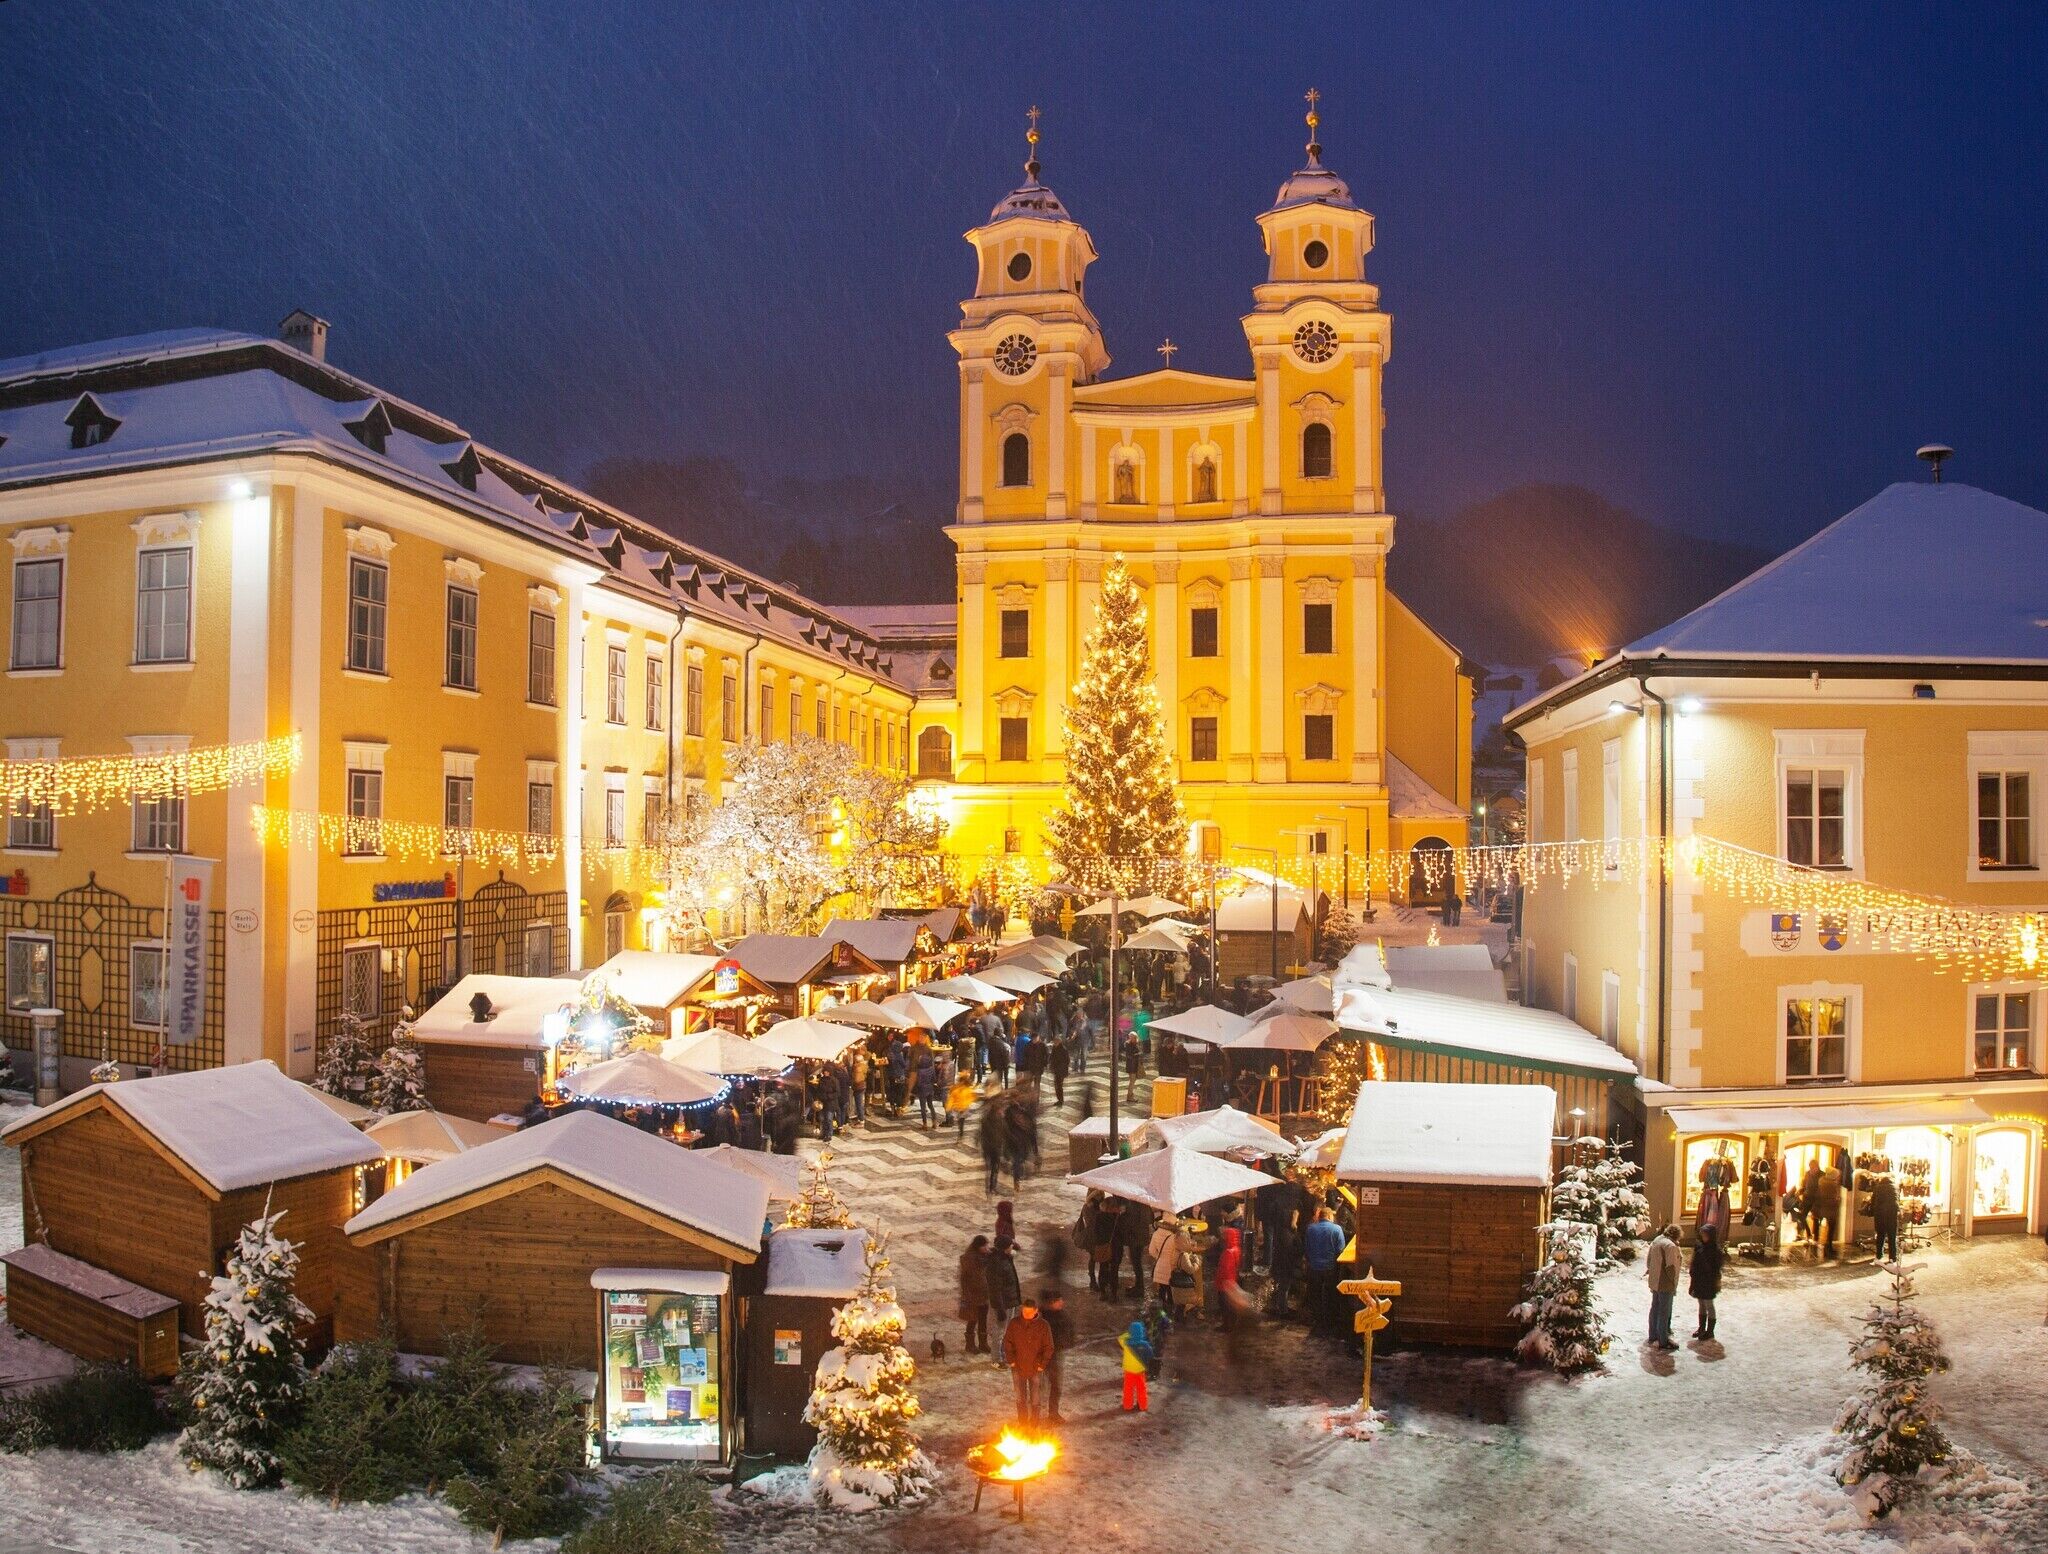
(540, 657)
(1817, 1033)
(365, 831)
(1568, 997)
(796, 712)
(2002, 1029)
(146, 984)
(820, 719)
(158, 824)
(1820, 773)
(693, 701)
(31, 825)
(31, 968)
(38, 614)
(766, 730)
(2007, 768)
(729, 710)
(1610, 805)
(657, 693)
(1568, 780)
(540, 950)
(651, 810)
(163, 605)
(615, 684)
(458, 801)
(1610, 1008)
(462, 618)
(615, 809)
(540, 798)
(369, 590)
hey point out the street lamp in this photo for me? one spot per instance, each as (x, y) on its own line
(1274, 879)
(1366, 903)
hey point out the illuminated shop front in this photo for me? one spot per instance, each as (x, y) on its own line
(2002, 1178)
(663, 1379)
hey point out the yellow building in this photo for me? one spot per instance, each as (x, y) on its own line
(215, 538)
(1873, 705)
(1307, 707)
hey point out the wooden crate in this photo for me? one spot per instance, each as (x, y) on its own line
(91, 1313)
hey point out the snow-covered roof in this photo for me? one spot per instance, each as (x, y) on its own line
(1462, 970)
(659, 1176)
(1314, 184)
(944, 922)
(244, 1125)
(1252, 912)
(87, 1279)
(1410, 797)
(1463, 1135)
(887, 939)
(1510, 1033)
(519, 1006)
(429, 1135)
(655, 979)
(1030, 198)
(824, 1264)
(779, 959)
(159, 345)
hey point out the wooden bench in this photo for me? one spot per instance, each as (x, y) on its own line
(94, 1314)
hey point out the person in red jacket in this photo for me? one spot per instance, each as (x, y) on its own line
(1229, 1263)
(1028, 1351)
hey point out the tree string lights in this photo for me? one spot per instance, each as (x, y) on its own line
(77, 785)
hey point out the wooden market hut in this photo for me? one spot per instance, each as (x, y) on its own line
(810, 1274)
(658, 983)
(804, 973)
(1451, 1183)
(905, 947)
(495, 1066)
(586, 1243)
(150, 1181)
(1244, 934)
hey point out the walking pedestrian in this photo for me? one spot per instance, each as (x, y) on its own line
(1830, 1212)
(1230, 1301)
(1006, 1220)
(1660, 1272)
(1137, 1360)
(1052, 1310)
(827, 1089)
(1134, 1234)
(959, 1102)
(1028, 1352)
(1059, 1060)
(995, 1134)
(1098, 1220)
(974, 1294)
(857, 1074)
(1709, 1256)
(1005, 1294)
(1884, 1218)
(1809, 1200)
(999, 1058)
(1134, 1063)
(927, 1087)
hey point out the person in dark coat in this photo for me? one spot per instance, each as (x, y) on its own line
(1006, 1221)
(1059, 1060)
(926, 1085)
(974, 1294)
(995, 1135)
(1884, 1218)
(826, 1091)
(999, 1058)
(899, 1076)
(1005, 1293)
(1134, 1233)
(1052, 1308)
(1028, 1350)
(1020, 1138)
(1829, 1210)
(1809, 1200)
(1709, 1256)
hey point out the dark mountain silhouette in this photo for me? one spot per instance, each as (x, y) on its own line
(1542, 570)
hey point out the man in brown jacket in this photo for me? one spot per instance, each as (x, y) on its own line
(1027, 1350)
(1660, 1271)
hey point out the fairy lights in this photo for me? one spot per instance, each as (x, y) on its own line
(403, 840)
(78, 785)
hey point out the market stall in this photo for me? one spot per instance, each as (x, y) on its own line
(1246, 943)
(413, 1139)
(490, 1042)
(904, 947)
(789, 1327)
(804, 975)
(658, 984)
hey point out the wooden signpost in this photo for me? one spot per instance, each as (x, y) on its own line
(1378, 1297)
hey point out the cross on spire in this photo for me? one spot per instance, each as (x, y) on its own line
(1031, 141)
(1315, 140)
(1166, 348)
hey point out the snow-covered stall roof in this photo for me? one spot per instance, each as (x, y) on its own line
(1477, 1027)
(245, 1125)
(1466, 970)
(519, 1005)
(1252, 912)
(655, 979)
(779, 959)
(823, 1264)
(889, 940)
(1457, 1135)
(659, 1176)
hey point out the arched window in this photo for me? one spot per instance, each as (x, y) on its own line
(1315, 451)
(1124, 482)
(935, 754)
(1017, 460)
(1204, 485)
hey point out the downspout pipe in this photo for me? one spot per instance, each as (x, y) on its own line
(1663, 878)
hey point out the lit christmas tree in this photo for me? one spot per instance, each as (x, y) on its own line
(400, 1081)
(246, 1382)
(1566, 1332)
(1892, 1426)
(348, 1060)
(1346, 1062)
(1122, 804)
(862, 1404)
(1599, 1186)
(818, 1207)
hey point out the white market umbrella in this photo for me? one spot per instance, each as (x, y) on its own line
(922, 1010)
(643, 1079)
(1311, 995)
(969, 990)
(355, 1116)
(865, 1011)
(1204, 1022)
(1173, 1179)
(428, 1135)
(1154, 906)
(1046, 962)
(1101, 909)
(1288, 1031)
(1226, 1130)
(810, 1038)
(784, 1174)
(718, 1051)
(1014, 978)
(1156, 939)
(1322, 1150)
(1053, 942)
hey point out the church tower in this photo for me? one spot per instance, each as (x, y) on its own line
(1026, 338)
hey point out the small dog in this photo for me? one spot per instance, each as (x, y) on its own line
(938, 1347)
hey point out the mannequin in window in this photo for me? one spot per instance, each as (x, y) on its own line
(1204, 482)
(1315, 451)
(1124, 482)
(1716, 1177)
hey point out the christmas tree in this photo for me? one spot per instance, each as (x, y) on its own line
(1599, 1187)
(348, 1060)
(1122, 805)
(861, 1404)
(399, 1082)
(1339, 936)
(246, 1382)
(1566, 1332)
(1346, 1062)
(1894, 1436)
(818, 1207)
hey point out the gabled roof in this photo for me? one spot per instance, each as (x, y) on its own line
(611, 1158)
(519, 1006)
(1167, 387)
(245, 1125)
(1410, 797)
(1252, 912)
(783, 960)
(1459, 1135)
(890, 940)
(655, 979)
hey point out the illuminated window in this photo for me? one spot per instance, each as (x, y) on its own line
(2002, 1026)
(935, 754)
(1698, 1151)
(1817, 1036)
(1816, 817)
(2005, 838)
(615, 685)
(31, 959)
(146, 984)
(1999, 1173)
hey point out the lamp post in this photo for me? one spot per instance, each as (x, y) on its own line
(1344, 831)
(1115, 1141)
(1274, 881)
(1366, 900)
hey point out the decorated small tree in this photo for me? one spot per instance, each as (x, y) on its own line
(1122, 805)
(1566, 1331)
(246, 1381)
(818, 1206)
(862, 1404)
(399, 1083)
(1893, 1428)
(348, 1060)
(1599, 1186)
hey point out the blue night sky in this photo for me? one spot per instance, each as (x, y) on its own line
(1726, 265)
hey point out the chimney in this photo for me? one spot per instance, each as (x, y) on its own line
(305, 332)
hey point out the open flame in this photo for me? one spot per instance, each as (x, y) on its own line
(1023, 1458)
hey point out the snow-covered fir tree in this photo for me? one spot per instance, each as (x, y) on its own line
(1895, 1437)
(246, 1381)
(348, 1060)
(399, 1083)
(1121, 802)
(862, 1404)
(1566, 1330)
(1338, 937)
(1600, 1186)
(818, 1206)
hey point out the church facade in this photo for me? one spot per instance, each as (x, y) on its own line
(1308, 709)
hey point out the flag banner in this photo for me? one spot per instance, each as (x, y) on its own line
(185, 991)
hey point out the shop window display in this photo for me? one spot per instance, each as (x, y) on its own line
(1732, 1176)
(661, 1370)
(1999, 1176)
(1920, 1166)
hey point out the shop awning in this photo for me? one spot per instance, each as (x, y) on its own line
(1805, 1117)
(668, 1281)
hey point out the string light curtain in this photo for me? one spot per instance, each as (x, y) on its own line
(78, 785)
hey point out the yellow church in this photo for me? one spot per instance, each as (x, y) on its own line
(1309, 710)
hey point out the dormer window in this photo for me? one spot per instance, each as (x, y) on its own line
(372, 428)
(89, 422)
(466, 467)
